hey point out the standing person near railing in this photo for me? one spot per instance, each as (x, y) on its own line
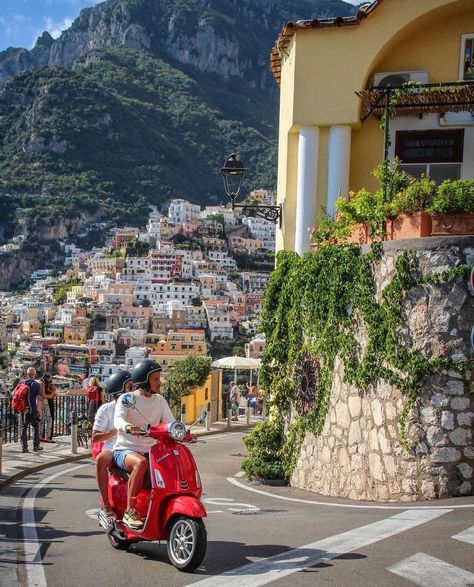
(46, 426)
(95, 397)
(32, 417)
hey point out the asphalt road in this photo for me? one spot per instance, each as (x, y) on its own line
(257, 535)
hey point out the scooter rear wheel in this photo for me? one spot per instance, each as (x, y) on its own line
(187, 543)
(116, 542)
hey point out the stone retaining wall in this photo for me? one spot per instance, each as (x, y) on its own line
(359, 454)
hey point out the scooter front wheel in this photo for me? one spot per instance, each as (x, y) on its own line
(187, 543)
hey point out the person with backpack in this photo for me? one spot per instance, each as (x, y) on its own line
(32, 415)
(94, 398)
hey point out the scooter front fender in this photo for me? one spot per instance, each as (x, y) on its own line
(185, 505)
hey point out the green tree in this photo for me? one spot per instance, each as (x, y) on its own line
(184, 374)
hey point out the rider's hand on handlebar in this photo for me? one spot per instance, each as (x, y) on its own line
(135, 430)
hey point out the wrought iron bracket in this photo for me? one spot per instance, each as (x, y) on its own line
(270, 213)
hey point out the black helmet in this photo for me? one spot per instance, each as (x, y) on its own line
(117, 381)
(141, 372)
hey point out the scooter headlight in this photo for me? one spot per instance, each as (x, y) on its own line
(177, 431)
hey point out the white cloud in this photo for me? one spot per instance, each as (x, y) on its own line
(55, 28)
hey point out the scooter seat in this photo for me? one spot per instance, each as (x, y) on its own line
(119, 472)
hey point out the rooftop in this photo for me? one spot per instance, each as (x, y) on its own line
(280, 47)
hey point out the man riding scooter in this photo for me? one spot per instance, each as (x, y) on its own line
(131, 447)
(104, 431)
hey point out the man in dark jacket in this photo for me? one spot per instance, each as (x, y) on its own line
(33, 416)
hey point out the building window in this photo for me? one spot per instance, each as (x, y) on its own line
(466, 65)
(437, 154)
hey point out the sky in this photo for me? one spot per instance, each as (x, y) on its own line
(22, 21)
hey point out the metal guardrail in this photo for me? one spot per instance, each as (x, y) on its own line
(63, 406)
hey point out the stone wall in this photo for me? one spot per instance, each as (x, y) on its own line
(359, 454)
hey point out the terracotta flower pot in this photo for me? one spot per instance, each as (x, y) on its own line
(452, 224)
(411, 225)
(359, 234)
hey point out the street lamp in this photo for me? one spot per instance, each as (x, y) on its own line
(233, 173)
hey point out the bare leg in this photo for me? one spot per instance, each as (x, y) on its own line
(102, 463)
(137, 465)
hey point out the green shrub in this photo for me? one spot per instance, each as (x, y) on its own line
(417, 196)
(329, 230)
(264, 445)
(454, 196)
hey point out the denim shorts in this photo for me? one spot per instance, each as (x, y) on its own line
(119, 457)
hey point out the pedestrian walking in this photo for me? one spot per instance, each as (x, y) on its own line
(32, 416)
(252, 398)
(235, 396)
(95, 398)
(46, 426)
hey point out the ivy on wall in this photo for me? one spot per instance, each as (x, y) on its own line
(313, 304)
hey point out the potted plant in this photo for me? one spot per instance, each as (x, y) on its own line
(452, 208)
(410, 219)
(330, 231)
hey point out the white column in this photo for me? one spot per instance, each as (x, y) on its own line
(306, 186)
(339, 157)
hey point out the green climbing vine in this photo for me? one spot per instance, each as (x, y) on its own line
(312, 305)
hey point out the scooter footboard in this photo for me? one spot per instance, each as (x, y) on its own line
(185, 505)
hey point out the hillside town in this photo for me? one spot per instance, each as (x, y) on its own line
(167, 291)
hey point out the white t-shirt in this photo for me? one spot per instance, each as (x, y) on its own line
(104, 422)
(149, 410)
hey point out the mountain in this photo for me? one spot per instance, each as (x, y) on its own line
(139, 101)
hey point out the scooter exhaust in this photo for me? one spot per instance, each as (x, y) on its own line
(102, 517)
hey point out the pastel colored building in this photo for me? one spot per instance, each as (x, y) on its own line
(207, 396)
(330, 139)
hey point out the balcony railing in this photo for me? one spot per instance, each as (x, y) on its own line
(63, 406)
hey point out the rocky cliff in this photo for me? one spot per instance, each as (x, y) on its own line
(230, 38)
(140, 102)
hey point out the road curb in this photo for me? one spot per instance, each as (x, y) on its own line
(227, 430)
(47, 465)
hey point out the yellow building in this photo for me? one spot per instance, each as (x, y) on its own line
(204, 397)
(31, 326)
(185, 341)
(76, 333)
(329, 137)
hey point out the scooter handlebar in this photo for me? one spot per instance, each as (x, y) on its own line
(137, 431)
(157, 432)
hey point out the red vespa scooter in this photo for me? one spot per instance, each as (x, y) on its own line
(171, 507)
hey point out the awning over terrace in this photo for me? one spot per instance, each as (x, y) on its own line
(423, 99)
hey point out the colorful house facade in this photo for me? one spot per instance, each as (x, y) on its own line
(332, 73)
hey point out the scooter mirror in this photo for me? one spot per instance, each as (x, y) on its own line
(128, 400)
(202, 417)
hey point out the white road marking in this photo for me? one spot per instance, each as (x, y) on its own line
(347, 505)
(225, 501)
(33, 560)
(215, 512)
(466, 535)
(277, 567)
(240, 474)
(428, 571)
